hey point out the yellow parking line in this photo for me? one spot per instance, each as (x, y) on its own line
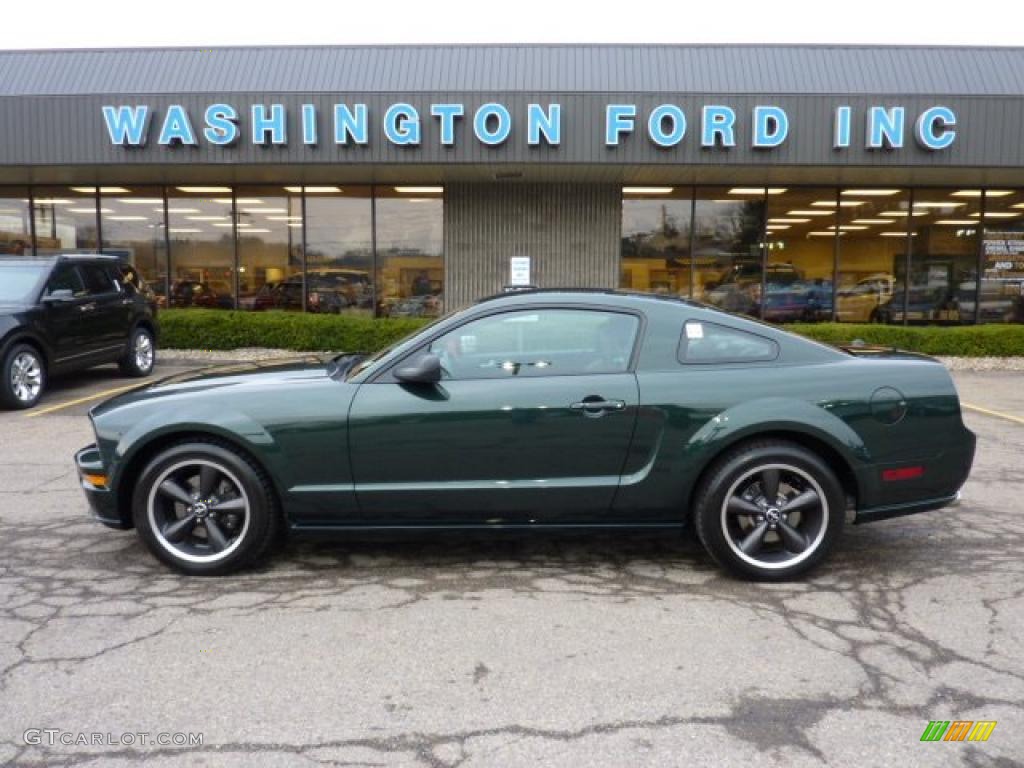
(79, 401)
(997, 414)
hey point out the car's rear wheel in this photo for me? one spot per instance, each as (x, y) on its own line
(205, 509)
(23, 375)
(769, 510)
(140, 356)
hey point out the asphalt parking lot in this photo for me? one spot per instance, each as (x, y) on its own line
(472, 651)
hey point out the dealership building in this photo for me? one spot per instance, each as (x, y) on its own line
(788, 182)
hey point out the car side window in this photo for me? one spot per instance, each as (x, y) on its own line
(97, 280)
(704, 342)
(66, 278)
(538, 342)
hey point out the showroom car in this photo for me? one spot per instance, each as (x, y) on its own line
(538, 410)
(64, 313)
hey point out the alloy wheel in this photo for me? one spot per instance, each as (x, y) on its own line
(775, 516)
(26, 377)
(143, 351)
(198, 511)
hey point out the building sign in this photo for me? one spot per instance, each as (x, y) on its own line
(714, 126)
(519, 271)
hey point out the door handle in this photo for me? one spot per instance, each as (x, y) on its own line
(90, 307)
(594, 405)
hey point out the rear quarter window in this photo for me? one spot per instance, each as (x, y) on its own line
(705, 343)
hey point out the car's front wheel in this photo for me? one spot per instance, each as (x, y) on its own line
(769, 510)
(205, 509)
(23, 377)
(140, 356)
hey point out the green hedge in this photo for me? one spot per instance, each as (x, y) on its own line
(218, 329)
(958, 341)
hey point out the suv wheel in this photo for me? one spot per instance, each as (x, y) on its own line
(23, 377)
(770, 510)
(140, 357)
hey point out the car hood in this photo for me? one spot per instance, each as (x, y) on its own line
(11, 309)
(248, 375)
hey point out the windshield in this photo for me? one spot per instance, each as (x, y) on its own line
(19, 282)
(365, 363)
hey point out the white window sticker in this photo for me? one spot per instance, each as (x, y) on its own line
(694, 331)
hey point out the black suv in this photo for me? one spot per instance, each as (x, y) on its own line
(63, 313)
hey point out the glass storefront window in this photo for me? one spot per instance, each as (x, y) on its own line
(410, 263)
(872, 227)
(15, 224)
(65, 219)
(132, 225)
(269, 221)
(339, 250)
(944, 258)
(800, 245)
(1002, 257)
(728, 229)
(200, 229)
(656, 223)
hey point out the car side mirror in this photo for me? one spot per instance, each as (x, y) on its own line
(59, 296)
(425, 369)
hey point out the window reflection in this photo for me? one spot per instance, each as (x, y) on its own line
(339, 250)
(410, 267)
(944, 260)
(269, 221)
(132, 223)
(1002, 278)
(872, 225)
(800, 244)
(65, 219)
(15, 224)
(656, 240)
(199, 225)
(727, 251)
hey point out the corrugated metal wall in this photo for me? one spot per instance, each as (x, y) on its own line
(571, 232)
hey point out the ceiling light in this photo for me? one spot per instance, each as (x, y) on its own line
(128, 218)
(871, 221)
(265, 210)
(977, 193)
(848, 227)
(811, 213)
(254, 229)
(54, 201)
(91, 211)
(223, 224)
(183, 231)
(955, 222)
(294, 224)
(773, 227)
(757, 190)
(787, 221)
(238, 200)
(938, 204)
(177, 210)
(103, 190)
(897, 234)
(419, 190)
(997, 215)
(313, 190)
(204, 190)
(284, 218)
(141, 200)
(901, 214)
(206, 218)
(819, 233)
(871, 192)
(647, 190)
(840, 203)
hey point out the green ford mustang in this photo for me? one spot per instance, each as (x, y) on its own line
(540, 410)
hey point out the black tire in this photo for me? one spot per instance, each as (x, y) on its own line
(244, 541)
(22, 377)
(140, 355)
(765, 544)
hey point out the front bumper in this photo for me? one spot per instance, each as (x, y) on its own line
(102, 500)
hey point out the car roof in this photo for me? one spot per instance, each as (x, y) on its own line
(577, 295)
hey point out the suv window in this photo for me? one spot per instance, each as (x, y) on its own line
(97, 280)
(538, 342)
(66, 278)
(704, 342)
